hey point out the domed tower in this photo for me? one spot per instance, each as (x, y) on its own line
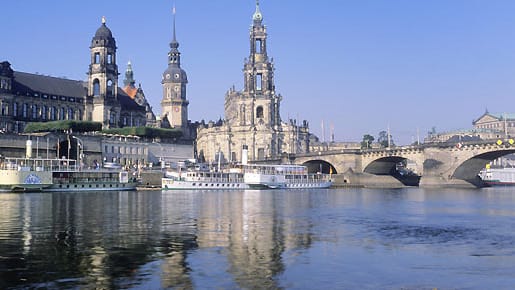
(174, 105)
(102, 102)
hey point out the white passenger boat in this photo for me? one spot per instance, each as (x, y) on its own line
(498, 176)
(245, 176)
(203, 180)
(248, 176)
(284, 176)
(42, 174)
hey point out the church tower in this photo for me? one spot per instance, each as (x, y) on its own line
(174, 105)
(252, 115)
(102, 104)
(258, 103)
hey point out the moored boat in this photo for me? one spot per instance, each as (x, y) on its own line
(284, 176)
(203, 180)
(247, 176)
(44, 174)
(498, 176)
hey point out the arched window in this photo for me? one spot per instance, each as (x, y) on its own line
(258, 45)
(24, 110)
(259, 112)
(96, 87)
(112, 118)
(61, 114)
(110, 88)
(34, 111)
(71, 115)
(242, 115)
(52, 113)
(43, 112)
(96, 58)
(5, 109)
(15, 110)
(259, 80)
(109, 58)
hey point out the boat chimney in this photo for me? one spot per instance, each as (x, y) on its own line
(245, 155)
(28, 153)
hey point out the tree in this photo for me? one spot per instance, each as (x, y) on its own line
(385, 140)
(367, 141)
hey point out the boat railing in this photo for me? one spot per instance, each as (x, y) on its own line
(306, 178)
(38, 164)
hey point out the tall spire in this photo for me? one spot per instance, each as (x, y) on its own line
(257, 17)
(174, 54)
(173, 12)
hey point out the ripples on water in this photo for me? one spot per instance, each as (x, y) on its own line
(338, 238)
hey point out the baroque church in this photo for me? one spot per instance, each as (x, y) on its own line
(252, 116)
(27, 97)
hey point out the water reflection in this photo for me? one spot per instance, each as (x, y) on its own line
(258, 239)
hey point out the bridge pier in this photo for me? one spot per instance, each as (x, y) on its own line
(358, 179)
(435, 181)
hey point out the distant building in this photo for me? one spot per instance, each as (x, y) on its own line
(27, 97)
(252, 116)
(501, 124)
(488, 126)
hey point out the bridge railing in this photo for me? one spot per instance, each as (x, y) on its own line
(495, 142)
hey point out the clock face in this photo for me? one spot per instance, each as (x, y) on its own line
(176, 76)
(167, 76)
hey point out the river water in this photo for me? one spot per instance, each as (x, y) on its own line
(312, 239)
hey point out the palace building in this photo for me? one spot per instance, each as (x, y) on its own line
(252, 116)
(27, 97)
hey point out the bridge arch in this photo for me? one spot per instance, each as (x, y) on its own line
(470, 168)
(384, 165)
(318, 165)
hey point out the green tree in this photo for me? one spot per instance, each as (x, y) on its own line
(385, 140)
(367, 141)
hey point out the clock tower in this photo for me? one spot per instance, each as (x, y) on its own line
(174, 105)
(102, 101)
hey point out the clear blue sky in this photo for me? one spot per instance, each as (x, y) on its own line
(361, 65)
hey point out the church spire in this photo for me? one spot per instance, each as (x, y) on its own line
(173, 12)
(174, 56)
(257, 17)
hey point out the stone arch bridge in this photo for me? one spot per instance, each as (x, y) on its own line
(437, 164)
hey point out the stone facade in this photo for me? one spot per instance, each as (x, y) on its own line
(502, 124)
(252, 116)
(27, 97)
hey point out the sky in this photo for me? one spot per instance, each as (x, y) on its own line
(357, 66)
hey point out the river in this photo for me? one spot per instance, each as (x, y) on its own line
(410, 238)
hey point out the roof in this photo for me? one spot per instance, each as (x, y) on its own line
(103, 32)
(131, 91)
(498, 116)
(127, 103)
(27, 83)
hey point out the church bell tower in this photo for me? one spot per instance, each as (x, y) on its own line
(102, 104)
(174, 105)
